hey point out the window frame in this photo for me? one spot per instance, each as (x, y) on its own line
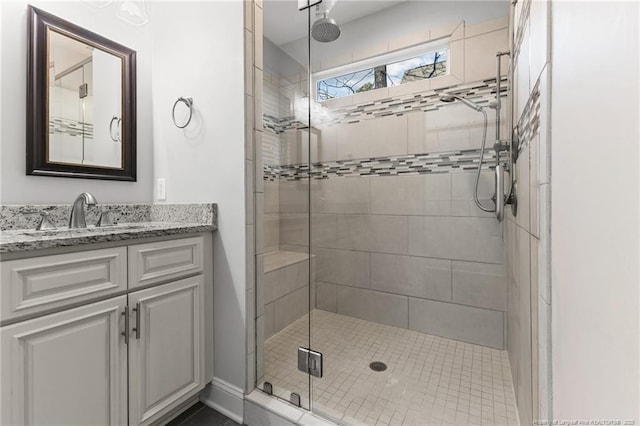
(383, 59)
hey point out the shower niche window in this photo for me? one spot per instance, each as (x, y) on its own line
(405, 66)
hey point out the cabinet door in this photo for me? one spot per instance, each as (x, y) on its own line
(166, 351)
(68, 368)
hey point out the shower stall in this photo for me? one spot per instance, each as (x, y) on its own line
(381, 288)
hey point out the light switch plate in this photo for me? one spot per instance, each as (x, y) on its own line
(161, 192)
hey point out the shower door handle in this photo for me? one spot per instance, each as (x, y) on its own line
(499, 193)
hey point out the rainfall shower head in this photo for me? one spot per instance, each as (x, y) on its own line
(325, 30)
(448, 97)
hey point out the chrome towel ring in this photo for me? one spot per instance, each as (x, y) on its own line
(189, 103)
(116, 120)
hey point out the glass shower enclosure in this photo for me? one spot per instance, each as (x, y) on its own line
(381, 296)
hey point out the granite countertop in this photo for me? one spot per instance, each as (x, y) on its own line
(144, 222)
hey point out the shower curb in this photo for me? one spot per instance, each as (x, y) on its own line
(273, 406)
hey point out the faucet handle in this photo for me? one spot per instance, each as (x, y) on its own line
(105, 219)
(45, 220)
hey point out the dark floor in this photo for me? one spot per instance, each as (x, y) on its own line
(201, 415)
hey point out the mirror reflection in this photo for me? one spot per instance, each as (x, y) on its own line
(85, 104)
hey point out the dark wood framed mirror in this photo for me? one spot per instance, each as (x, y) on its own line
(81, 102)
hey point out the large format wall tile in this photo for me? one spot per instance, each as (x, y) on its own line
(521, 87)
(272, 197)
(430, 237)
(523, 392)
(480, 54)
(269, 327)
(477, 239)
(271, 231)
(324, 230)
(285, 280)
(294, 196)
(345, 267)
(470, 324)
(411, 276)
(294, 146)
(259, 224)
(353, 232)
(338, 195)
(326, 298)
(450, 128)
(389, 234)
(539, 53)
(382, 234)
(373, 306)
(458, 238)
(462, 193)
(428, 194)
(479, 284)
(290, 308)
(327, 144)
(294, 229)
(380, 137)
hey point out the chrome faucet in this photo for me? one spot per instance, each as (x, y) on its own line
(77, 220)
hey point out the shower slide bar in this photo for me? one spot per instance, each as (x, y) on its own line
(500, 199)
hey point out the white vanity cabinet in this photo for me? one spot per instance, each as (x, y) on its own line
(132, 355)
(67, 368)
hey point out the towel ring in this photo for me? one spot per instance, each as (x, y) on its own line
(189, 103)
(117, 120)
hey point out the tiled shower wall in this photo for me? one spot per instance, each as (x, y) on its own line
(254, 188)
(396, 236)
(528, 232)
(279, 143)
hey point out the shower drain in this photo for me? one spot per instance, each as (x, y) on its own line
(378, 366)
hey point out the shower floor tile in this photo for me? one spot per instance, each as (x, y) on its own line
(429, 380)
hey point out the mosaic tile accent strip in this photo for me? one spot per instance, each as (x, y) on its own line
(529, 124)
(281, 125)
(412, 164)
(58, 125)
(430, 380)
(481, 92)
(519, 36)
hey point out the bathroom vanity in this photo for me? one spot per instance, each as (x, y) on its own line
(105, 326)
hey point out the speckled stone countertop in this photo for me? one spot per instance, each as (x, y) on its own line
(132, 221)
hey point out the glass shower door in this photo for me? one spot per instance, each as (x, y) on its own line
(408, 293)
(284, 269)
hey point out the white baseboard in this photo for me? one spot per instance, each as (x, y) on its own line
(224, 398)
